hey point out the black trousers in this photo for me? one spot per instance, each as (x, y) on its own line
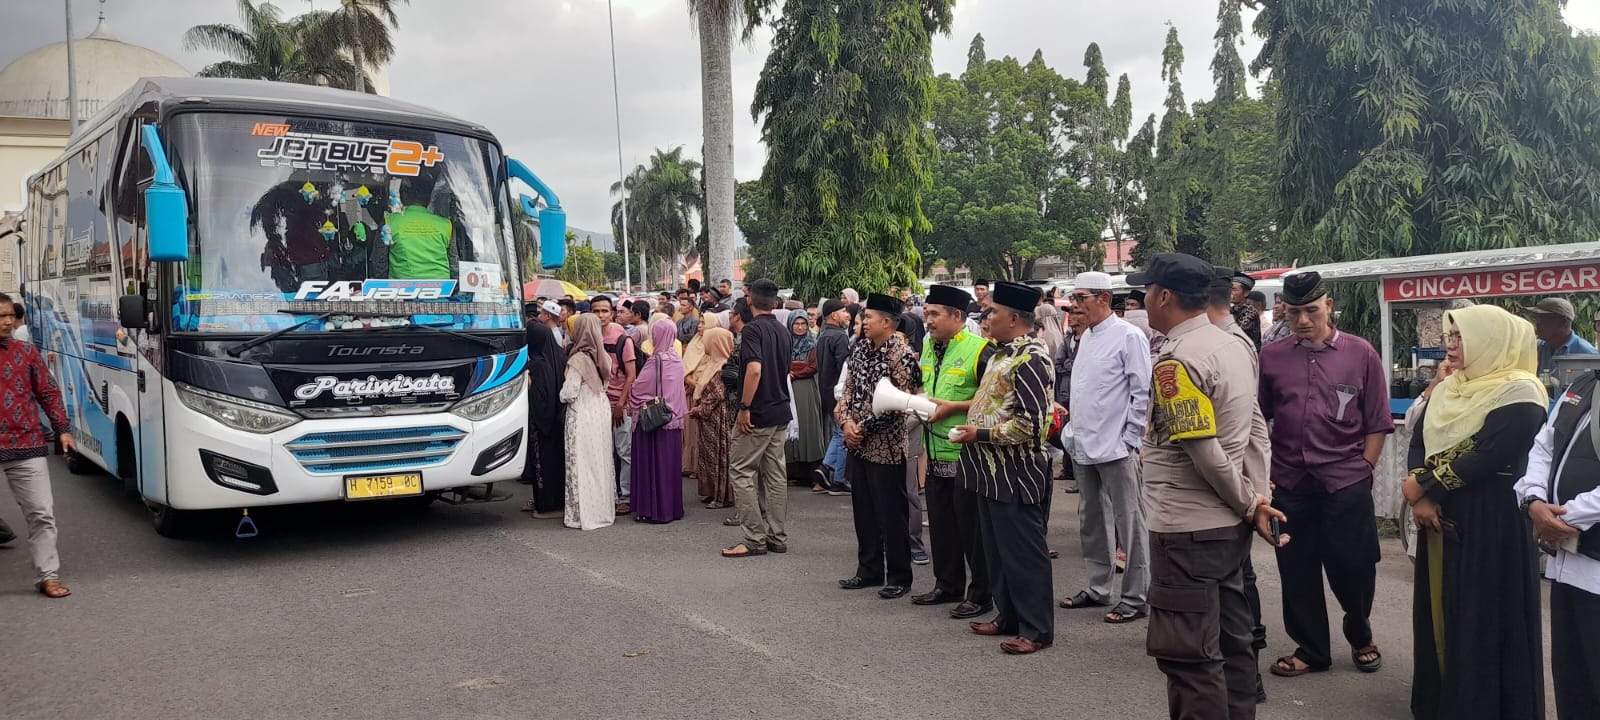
(953, 531)
(1334, 533)
(878, 499)
(1575, 651)
(1019, 568)
(1200, 623)
(1252, 596)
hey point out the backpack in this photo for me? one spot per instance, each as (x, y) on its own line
(639, 358)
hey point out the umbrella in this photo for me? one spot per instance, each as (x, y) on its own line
(551, 288)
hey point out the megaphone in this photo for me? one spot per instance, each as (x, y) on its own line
(886, 398)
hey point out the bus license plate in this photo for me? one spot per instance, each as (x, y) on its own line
(367, 487)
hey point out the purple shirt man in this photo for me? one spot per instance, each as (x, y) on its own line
(1323, 401)
(1324, 393)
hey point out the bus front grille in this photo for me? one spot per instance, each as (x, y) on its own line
(335, 453)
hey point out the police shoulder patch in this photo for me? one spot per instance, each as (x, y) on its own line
(1186, 412)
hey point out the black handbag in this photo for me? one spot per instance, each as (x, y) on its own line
(655, 414)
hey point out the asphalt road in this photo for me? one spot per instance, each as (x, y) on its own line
(367, 611)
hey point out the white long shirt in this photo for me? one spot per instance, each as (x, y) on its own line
(1583, 511)
(1110, 402)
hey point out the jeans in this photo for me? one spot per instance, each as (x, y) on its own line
(622, 440)
(833, 457)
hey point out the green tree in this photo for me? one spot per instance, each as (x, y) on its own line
(304, 49)
(362, 29)
(844, 103)
(1016, 179)
(613, 265)
(755, 217)
(664, 203)
(1432, 126)
(1428, 126)
(584, 267)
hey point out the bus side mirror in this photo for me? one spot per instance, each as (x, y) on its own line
(166, 206)
(133, 312)
(552, 219)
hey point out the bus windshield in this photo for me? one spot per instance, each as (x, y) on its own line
(373, 225)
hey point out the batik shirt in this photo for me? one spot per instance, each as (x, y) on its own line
(883, 437)
(25, 388)
(1012, 412)
(1249, 320)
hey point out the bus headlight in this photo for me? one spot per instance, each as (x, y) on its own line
(237, 413)
(486, 405)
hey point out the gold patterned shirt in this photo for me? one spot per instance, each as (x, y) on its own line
(1012, 412)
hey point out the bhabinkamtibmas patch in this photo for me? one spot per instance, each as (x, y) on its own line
(1187, 410)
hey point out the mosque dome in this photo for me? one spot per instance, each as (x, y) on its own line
(35, 85)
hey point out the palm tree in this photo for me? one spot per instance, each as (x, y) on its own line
(664, 202)
(267, 47)
(362, 28)
(715, 20)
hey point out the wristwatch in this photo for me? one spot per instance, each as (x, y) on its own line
(1527, 502)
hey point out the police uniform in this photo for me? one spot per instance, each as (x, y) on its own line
(1197, 498)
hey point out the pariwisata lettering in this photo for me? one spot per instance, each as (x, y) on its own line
(373, 386)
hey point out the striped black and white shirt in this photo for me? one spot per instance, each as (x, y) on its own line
(1012, 412)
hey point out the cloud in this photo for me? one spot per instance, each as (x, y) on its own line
(538, 73)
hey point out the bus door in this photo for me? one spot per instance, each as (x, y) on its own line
(148, 433)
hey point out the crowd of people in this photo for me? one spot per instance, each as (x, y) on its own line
(1181, 424)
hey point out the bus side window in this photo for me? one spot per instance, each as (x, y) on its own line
(133, 173)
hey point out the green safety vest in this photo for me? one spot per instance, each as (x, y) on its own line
(421, 249)
(955, 379)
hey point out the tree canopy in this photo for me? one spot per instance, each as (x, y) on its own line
(843, 102)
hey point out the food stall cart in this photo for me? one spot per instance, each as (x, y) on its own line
(1424, 284)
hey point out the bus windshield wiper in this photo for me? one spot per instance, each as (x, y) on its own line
(443, 328)
(275, 334)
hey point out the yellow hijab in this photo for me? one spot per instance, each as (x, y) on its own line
(718, 348)
(697, 346)
(1499, 356)
(650, 345)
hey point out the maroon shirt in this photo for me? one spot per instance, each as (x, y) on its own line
(1323, 404)
(25, 387)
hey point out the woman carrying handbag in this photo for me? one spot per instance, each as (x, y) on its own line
(658, 407)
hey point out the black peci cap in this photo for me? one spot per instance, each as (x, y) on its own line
(1303, 288)
(884, 304)
(949, 296)
(1019, 297)
(1177, 272)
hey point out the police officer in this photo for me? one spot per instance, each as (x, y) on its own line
(1199, 504)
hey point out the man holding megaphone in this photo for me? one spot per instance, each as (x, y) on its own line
(953, 361)
(876, 448)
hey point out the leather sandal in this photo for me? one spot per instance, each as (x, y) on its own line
(1080, 601)
(1292, 666)
(742, 551)
(1125, 613)
(53, 589)
(1022, 646)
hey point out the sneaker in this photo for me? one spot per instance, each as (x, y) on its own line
(837, 490)
(920, 558)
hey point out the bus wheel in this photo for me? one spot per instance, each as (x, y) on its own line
(169, 523)
(127, 462)
(80, 465)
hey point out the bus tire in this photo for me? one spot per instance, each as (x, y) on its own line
(169, 523)
(80, 465)
(127, 460)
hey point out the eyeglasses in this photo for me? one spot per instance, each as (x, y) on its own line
(1452, 339)
(1081, 298)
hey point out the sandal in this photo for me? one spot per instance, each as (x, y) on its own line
(1081, 600)
(528, 507)
(732, 521)
(742, 550)
(547, 515)
(1292, 666)
(1124, 613)
(716, 505)
(1371, 665)
(53, 589)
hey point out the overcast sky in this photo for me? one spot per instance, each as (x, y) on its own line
(538, 73)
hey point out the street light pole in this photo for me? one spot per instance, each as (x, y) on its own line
(72, 77)
(622, 176)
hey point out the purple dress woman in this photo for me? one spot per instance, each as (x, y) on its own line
(658, 456)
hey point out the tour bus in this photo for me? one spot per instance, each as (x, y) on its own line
(255, 293)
